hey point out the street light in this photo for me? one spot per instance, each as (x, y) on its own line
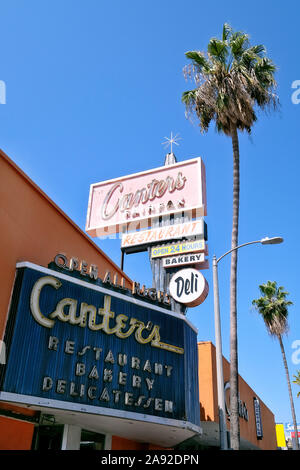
(219, 360)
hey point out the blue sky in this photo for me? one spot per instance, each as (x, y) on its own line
(92, 89)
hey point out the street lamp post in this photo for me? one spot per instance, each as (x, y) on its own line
(218, 338)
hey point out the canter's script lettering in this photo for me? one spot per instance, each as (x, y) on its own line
(153, 190)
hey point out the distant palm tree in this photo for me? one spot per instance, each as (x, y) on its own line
(273, 307)
(231, 80)
(297, 381)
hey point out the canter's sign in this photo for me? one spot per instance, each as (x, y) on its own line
(77, 345)
(133, 201)
(161, 234)
(178, 248)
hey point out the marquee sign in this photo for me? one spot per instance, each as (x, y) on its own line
(132, 201)
(74, 344)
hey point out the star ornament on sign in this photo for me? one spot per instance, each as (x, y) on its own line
(170, 141)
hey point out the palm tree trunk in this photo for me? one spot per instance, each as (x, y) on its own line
(234, 389)
(290, 391)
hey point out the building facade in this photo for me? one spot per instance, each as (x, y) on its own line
(80, 342)
(257, 423)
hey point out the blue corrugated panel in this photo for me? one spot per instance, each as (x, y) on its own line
(30, 360)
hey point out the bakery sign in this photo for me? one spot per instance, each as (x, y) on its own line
(78, 344)
(131, 202)
(195, 259)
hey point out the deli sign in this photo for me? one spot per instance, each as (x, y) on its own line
(189, 287)
(132, 201)
(79, 345)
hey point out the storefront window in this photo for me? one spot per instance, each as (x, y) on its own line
(91, 440)
(48, 437)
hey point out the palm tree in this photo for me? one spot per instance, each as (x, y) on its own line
(297, 381)
(232, 79)
(273, 307)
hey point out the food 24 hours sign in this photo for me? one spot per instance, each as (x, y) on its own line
(78, 343)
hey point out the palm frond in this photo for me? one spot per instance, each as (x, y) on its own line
(238, 45)
(272, 306)
(227, 30)
(188, 97)
(198, 59)
(297, 378)
(232, 80)
(259, 50)
(264, 70)
(218, 49)
(222, 101)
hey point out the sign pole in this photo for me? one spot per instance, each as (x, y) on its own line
(122, 260)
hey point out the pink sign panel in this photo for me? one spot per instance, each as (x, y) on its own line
(132, 201)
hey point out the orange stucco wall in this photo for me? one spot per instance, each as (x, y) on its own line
(207, 382)
(15, 435)
(209, 399)
(119, 443)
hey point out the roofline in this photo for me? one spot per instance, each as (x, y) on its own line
(58, 209)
